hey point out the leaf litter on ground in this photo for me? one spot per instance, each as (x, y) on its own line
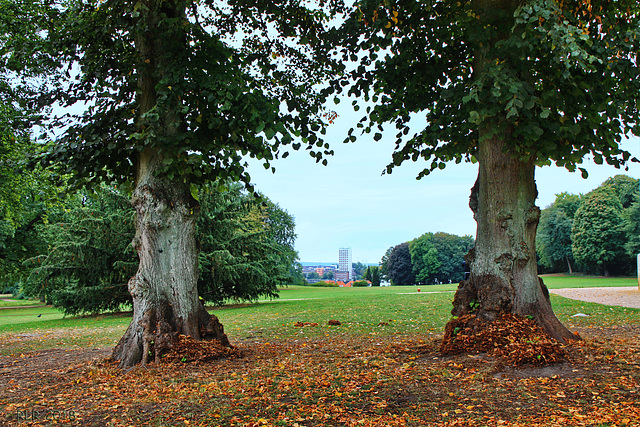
(517, 340)
(344, 380)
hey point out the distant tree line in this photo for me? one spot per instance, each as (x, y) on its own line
(429, 259)
(84, 255)
(596, 233)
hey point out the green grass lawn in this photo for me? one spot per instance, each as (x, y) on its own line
(360, 310)
(8, 301)
(386, 311)
(578, 281)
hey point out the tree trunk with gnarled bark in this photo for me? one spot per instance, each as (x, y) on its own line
(504, 272)
(166, 303)
(504, 275)
(164, 290)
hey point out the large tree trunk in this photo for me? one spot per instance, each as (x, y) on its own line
(164, 290)
(504, 273)
(504, 276)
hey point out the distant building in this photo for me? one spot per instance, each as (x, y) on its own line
(306, 269)
(342, 276)
(345, 265)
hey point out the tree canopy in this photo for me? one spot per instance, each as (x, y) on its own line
(553, 240)
(432, 258)
(597, 235)
(424, 259)
(557, 238)
(399, 267)
(88, 257)
(562, 76)
(232, 88)
(172, 94)
(247, 246)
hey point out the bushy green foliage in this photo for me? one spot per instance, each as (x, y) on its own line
(375, 276)
(625, 188)
(603, 237)
(399, 266)
(238, 91)
(424, 258)
(328, 275)
(561, 77)
(246, 245)
(553, 238)
(632, 227)
(90, 258)
(295, 272)
(359, 270)
(323, 284)
(360, 283)
(597, 235)
(384, 264)
(372, 274)
(451, 252)
(25, 196)
(439, 257)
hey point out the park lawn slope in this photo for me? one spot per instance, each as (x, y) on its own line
(368, 312)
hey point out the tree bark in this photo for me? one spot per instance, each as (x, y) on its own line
(164, 290)
(504, 276)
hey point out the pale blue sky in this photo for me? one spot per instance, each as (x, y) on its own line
(350, 204)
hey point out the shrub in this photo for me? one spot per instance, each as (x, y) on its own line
(323, 284)
(360, 283)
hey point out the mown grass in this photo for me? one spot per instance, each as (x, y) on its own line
(599, 315)
(390, 311)
(580, 281)
(362, 311)
(8, 301)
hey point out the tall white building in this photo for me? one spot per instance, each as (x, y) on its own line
(345, 265)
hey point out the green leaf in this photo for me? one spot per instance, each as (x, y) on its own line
(194, 192)
(269, 133)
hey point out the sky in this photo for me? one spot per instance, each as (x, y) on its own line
(350, 204)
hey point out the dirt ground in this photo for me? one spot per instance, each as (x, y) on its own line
(381, 382)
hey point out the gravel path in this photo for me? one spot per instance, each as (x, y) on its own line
(622, 296)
